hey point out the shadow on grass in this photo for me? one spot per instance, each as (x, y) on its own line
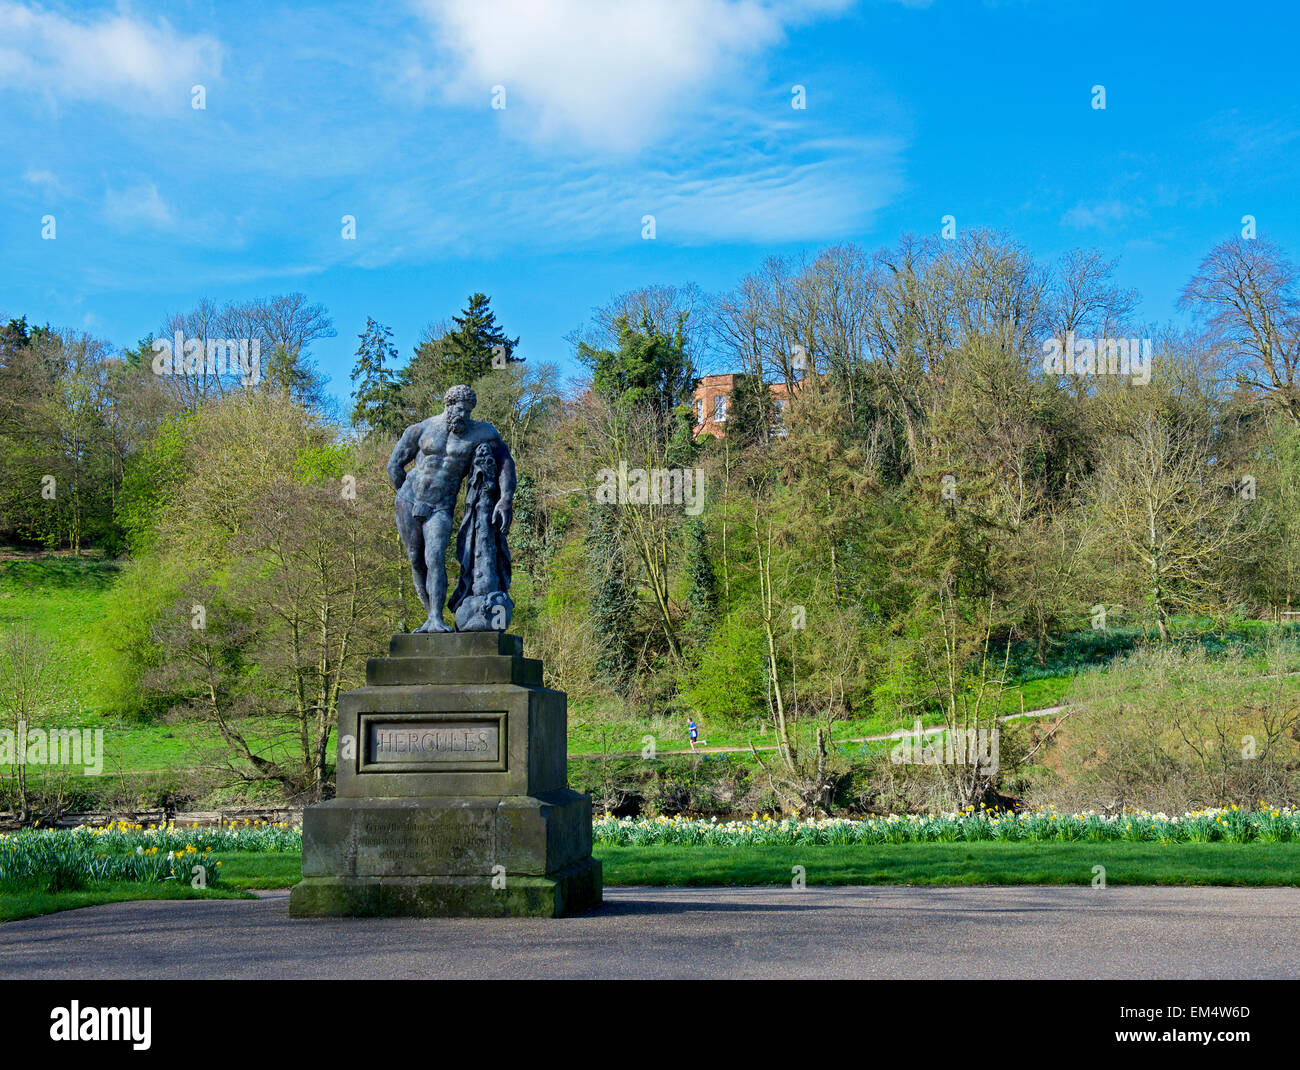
(59, 573)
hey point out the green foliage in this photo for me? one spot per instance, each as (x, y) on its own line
(64, 601)
(124, 637)
(612, 608)
(59, 447)
(650, 369)
(472, 348)
(477, 343)
(933, 500)
(901, 687)
(749, 411)
(288, 371)
(670, 784)
(701, 583)
(374, 380)
(149, 482)
(1211, 731)
(64, 860)
(327, 461)
(727, 683)
(529, 549)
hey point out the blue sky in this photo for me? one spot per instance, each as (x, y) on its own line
(676, 108)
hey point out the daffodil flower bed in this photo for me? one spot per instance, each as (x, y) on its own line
(1229, 825)
(246, 836)
(133, 853)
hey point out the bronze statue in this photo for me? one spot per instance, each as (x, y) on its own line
(445, 448)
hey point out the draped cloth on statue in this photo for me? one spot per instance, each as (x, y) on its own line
(482, 552)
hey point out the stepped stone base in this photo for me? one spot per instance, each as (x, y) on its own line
(573, 889)
(452, 796)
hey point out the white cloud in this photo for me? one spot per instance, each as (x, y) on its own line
(112, 57)
(1101, 214)
(611, 75)
(780, 202)
(138, 204)
(47, 180)
(743, 194)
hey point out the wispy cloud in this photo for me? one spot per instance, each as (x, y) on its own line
(138, 205)
(112, 57)
(679, 109)
(1096, 214)
(608, 76)
(739, 184)
(43, 179)
(1251, 138)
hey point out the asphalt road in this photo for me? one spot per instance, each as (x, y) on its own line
(878, 932)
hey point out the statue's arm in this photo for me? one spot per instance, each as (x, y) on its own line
(505, 484)
(403, 454)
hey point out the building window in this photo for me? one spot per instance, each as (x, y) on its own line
(699, 411)
(719, 408)
(778, 418)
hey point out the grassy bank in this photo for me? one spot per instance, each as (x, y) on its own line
(596, 729)
(921, 863)
(64, 599)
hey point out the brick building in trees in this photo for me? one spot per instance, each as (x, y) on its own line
(712, 398)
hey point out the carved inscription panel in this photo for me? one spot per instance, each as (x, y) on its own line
(432, 743)
(416, 743)
(425, 841)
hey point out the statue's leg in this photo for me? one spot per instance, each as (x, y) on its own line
(411, 531)
(437, 533)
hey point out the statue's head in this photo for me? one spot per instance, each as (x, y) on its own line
(459, 402)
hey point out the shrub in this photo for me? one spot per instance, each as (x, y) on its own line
(1171, 729)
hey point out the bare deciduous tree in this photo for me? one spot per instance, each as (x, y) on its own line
(28, 680)
(1246, 291)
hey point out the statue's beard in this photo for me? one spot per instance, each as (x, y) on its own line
(456, 423)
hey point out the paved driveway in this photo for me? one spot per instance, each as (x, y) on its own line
(880, 932)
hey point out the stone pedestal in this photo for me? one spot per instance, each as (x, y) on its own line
(452, 791)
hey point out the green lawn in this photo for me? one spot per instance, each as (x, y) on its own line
(1256, 864)
(29, 903)
(61, 599)
(913, 863)
(958, 863)
(1038, 694)
(260, 869)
